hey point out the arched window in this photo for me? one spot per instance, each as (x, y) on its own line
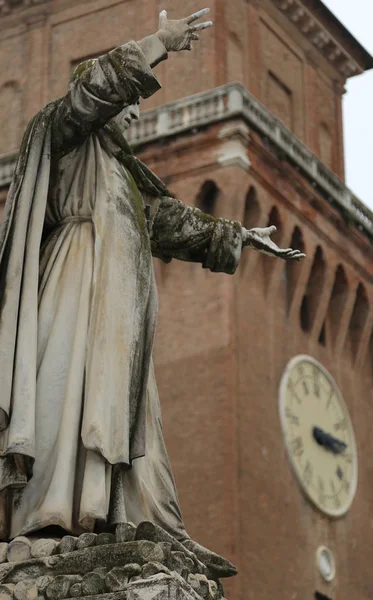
(337, 303)
(207, 197)
(275, 219)
(269, 262)
(311, 298)
(293, 268)
(252, 210)
(358, 320)
(251, 218)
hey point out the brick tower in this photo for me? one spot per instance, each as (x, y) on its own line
(248, 127)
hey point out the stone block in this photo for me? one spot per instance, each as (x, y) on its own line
(59, 588)
(166, 547)
(194, 582)
(26, 590)
(43, 547)
(214, 593)
(3, 552)
(19, 549)
(149, 531)
(117, 578)
(86, 540)
(105, 538)
(153, 568)
(125, 532)
(67, 544)
(132, 569)
(101, 571)
(6, 591)
(160, 587)
(178, 564)
(93, 583)
(76, 590)
(204, 588)
(43, 582)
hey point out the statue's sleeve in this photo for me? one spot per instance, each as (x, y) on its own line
(112, 82)
(179, 231)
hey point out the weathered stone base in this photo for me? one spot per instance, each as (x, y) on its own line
(142, 563)
(156, 587)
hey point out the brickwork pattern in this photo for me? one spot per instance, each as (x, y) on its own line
(39, 46)
(219, 387)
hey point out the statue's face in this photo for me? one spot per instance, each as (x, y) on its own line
(124, 119)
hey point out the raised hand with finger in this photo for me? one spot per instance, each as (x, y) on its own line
(178, 35)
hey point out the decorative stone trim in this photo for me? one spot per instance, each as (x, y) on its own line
(233, 151)
(234, 101)
(319, 37)
(123, 566)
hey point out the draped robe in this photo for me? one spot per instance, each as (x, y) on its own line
(81, 442)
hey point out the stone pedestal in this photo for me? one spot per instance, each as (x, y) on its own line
(143, 563)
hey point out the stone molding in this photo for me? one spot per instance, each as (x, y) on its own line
(233, 152)
(234, 101)
(319, 37)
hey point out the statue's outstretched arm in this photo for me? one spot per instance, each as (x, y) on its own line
(103, 87)
(179, 231)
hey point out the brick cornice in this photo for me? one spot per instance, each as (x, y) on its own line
(319, 36)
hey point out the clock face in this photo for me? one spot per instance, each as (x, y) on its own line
(318, 435)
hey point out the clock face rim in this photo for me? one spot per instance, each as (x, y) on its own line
(338, 512)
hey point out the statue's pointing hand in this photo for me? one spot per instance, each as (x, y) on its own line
(260, 239)
(178, 35)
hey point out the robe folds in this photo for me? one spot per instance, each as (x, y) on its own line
(81, 440)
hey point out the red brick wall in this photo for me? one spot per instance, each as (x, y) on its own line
(248, 44)
(222, 344)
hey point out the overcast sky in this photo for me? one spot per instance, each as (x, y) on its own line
(357, 16)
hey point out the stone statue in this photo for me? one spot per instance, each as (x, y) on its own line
(81, 436)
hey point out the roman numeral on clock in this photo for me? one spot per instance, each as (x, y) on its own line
(331, 394)
(336, 500)
(291, 416)
(321, 490)
(305, 387)
(346, 486)
(297, 446)
(316, 382)
(341, 425)
(308, 473)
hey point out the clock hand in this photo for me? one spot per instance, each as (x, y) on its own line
(328, 441)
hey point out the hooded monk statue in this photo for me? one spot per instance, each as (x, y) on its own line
(81, 436)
